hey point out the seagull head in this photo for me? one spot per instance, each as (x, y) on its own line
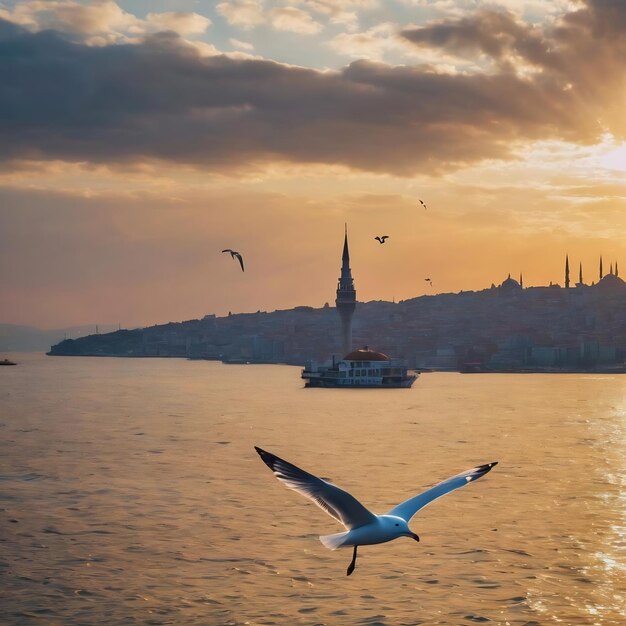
(399, 527)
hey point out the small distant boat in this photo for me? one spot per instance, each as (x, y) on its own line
(362, 368)
(7, 362)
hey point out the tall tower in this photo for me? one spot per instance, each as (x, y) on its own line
(566, 272)
(600, 267)
(346, 298)
(580, 273)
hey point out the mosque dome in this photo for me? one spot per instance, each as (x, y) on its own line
(610, 281)
(365, 354)
(510, 283)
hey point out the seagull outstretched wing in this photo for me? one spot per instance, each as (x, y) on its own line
(335, 501)
(234, 254)
(410, 507)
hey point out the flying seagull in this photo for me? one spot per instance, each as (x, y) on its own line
(234, 254)
(382, 238)
(422, 203)
(429, 281)
(363, 527)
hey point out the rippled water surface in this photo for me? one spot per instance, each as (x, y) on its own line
(130, 493)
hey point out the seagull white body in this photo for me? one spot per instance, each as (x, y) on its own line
(381, 529)
(362, 526)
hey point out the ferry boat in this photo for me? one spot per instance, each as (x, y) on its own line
(363, 368)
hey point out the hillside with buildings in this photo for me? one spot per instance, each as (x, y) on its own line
(503, 328)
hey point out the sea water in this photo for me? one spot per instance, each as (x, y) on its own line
(130, 493)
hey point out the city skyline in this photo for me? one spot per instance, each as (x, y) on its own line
(139, 141)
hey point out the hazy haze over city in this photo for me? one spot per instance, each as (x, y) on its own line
(138, 139)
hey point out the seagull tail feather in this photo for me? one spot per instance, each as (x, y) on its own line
(332, 542)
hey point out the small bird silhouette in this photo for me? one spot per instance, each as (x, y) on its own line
(382, 238)
(422, 203)
(234, 254)
(429, 281)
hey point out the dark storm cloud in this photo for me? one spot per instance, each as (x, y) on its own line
(160, 99)
(580, 62)
(494, 33)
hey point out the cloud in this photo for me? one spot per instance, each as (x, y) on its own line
(242, 45)
(159, 99)
(371, 44)
(244, 13)
(582, 53)
(249, 14)
(332, 6)
(294, 20)
(101, 16)
(344, 12)
(496, 34)
(182, 23)
(536, 9)
(100, 22)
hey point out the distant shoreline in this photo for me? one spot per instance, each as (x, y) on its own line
(615, 370)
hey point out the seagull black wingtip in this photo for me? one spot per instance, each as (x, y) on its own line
(260, 451)
(267, 457)
(487, 467)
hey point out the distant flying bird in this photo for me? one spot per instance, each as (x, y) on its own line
(382, 238)
(429, 281)
(422, 203)
(363, 527)
(234, 254)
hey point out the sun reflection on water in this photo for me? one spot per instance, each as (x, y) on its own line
(610, 564)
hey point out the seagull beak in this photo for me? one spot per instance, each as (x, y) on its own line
(414, 536)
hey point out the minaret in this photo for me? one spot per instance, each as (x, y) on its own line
(611, 269)
(346, 298)
(580, 273)
(566, 272)
(521, 281)
(600, 267)
(616, 270)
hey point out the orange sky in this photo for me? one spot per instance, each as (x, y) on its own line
(130, 162)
